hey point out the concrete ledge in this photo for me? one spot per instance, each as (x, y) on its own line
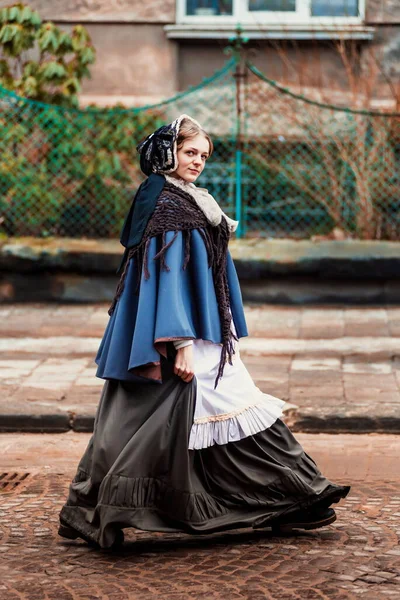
(254, 257)
(348, 259)
(21, 255)
(75, 287)
(306, 290)
(271, 271)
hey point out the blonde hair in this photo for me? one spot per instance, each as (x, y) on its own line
(188, 130)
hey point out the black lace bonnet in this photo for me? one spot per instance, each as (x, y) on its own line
(158, 152)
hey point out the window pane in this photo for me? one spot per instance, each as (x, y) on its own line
(334, 8)
(277, 5)
(207, 8)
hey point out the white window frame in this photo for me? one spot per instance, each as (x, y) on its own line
(242, 15)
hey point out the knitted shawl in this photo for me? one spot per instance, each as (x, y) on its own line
(176, 210)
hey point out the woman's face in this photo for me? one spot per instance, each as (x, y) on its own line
(192, 158)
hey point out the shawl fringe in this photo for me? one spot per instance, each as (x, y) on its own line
(176, 210)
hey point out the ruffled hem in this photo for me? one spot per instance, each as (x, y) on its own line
(222, 429)
(149, 504)
(332, 494)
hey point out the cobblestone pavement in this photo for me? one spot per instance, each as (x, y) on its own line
(356, 557)
(337, 367)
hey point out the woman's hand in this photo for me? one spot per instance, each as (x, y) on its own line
(184, 367)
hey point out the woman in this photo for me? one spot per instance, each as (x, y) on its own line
(183, 440)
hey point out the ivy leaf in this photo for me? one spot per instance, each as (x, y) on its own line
(72, 85)
(35, 19)
(53, 70)
(64, 43)
(27, 15)
(3, 15)
(31, 68)
(87, 56)
(82, 71)
(80, 38)
(15, 39)
(8, 33)
(14, 11)
(48, 38)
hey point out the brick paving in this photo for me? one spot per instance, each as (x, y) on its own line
(337, 367)
(356, 557)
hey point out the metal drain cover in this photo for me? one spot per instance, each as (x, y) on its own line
(11, 481)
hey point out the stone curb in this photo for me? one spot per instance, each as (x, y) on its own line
(347, 424)
(298, 422)
(46, 423)
(83, 423)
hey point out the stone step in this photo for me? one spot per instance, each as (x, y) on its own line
(252, 346)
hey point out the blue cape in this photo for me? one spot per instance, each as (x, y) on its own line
(171, 304)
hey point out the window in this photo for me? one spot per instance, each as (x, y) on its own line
(334, 8)
(207, 8)
(278, 5)
(270, 11)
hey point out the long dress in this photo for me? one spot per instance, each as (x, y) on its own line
(171, 456)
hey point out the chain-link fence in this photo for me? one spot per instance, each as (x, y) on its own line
(68, 172)
(312, 167)
(285, 165)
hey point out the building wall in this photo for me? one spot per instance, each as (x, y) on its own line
(132, 60)
(306, 62)
(137, 63)
(385, 16)
(132, 11)
(383, 12)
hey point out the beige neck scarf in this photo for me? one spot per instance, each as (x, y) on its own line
(205, 201)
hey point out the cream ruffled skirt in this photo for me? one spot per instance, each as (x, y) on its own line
(235, 409)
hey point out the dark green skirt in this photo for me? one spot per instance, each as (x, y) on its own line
(137, 470)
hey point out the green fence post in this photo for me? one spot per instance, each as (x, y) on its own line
(236, 48)
(238, 199)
